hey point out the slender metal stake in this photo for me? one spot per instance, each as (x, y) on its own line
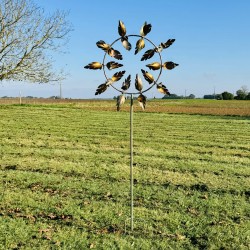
(125, 86)
(131, 164)
(60, 90)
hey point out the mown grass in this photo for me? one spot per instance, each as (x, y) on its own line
(65, 179)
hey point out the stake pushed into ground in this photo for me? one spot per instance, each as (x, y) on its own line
(131, 165)
(151, 77)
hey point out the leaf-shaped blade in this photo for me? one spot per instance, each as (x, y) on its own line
(113, 65)
(115, 53)
(125, 43)
(142, 101)
(121, 29)
(165, 45)
(138, 83)
(154, 66)
(120, 100)
(168, 43)
(94, 65)
(162, 89)
(126, 83)
(148, 77)
(101, 88)
(169, 65)
(117, 76)
(140, 44)
(102, 45)
(148, 54)
(145, 29)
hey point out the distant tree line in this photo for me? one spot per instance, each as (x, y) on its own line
(241, 94)
(215, 96)
(174, 96)
(33, 97)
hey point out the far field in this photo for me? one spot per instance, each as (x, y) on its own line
(195, 106)
(64, 170)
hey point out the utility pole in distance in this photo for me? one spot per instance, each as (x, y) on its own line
(60, 90)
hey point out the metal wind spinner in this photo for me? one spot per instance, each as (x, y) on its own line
(139, 85)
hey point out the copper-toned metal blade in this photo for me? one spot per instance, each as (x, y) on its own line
(148, 54)
(162, 89)
(117, 76)
(102, 45)
(121, 29)
(169, 65)
(168, 43)
(154, 66)
(115, 53)
(142, 101)
(126, 83)
(138, 83)
(140, 44)
(113, 65)
(101, 88)
(94, 65)
(148, 77)
(125, 43)
(145, 29)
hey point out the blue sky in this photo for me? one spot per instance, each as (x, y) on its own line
(211, 47)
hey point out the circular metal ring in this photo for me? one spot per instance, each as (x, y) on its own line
(133, 93)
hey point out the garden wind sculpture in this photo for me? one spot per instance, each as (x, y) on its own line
(138, 83)
(111, 65)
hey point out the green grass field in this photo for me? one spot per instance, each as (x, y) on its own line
(64, 173)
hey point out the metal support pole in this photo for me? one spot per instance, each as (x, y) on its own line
(125, 86)
(131, 164)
